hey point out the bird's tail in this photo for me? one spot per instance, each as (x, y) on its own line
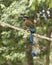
(31, 29)
(31, 38)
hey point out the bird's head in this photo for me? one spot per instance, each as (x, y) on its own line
(25, 17)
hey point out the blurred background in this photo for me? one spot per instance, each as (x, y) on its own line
(15, 48)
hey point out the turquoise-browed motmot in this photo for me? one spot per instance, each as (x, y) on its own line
(29, 26)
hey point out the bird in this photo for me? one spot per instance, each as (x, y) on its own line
(29, 26)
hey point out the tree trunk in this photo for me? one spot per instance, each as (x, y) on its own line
(28, 54)
(48, 48)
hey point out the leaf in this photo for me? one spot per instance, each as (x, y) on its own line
(2, 6)
(50, 3)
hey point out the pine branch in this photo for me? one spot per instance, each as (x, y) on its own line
(3, 24)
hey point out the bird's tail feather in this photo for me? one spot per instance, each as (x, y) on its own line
(31, 38)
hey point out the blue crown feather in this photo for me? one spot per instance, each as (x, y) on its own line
(25, 16)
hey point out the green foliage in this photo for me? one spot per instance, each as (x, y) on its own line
(12, 42)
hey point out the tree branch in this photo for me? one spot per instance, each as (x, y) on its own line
(3, 24)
